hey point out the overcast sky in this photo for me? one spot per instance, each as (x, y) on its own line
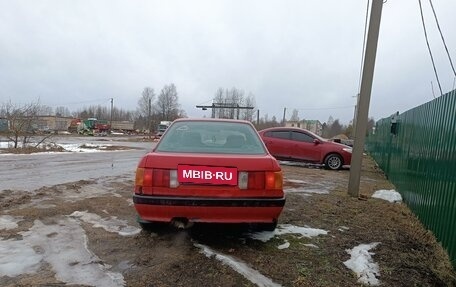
(303, 55)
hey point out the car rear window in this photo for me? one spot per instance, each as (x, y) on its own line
(278, 134)
(211, 137)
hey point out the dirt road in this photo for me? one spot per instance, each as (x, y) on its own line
(84, 233)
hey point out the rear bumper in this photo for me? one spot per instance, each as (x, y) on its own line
(221, 210)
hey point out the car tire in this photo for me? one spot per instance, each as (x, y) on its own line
(265, 226)
(147, 225)
(333, 161)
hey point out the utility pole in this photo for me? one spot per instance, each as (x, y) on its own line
(149, 110)
(364, 97)
(284, 113)
(258, 117)
(110, 122)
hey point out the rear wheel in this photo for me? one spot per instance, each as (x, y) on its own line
(333, 161)
(265, 226)
(147, 225)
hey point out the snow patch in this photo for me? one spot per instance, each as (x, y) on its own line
(9, 222)
(297, 181)
(282, 229)
(311, 245)
(18, 257)
(87, 147)
(285, 245)
(343, 228)
(242, 268)
(363, 265)
(389, 195)
(112, 224)
(303, 231)
(305, 190)
(64, 246)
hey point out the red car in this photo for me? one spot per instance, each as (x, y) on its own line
(209, 170)
(302, 145)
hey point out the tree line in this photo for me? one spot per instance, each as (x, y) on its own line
(152, 108)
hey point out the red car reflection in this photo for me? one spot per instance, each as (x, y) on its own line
(209, 170)
(302, 145)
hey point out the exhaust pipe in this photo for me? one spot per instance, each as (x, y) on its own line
(181, 223)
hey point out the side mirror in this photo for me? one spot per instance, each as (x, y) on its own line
(316, 141)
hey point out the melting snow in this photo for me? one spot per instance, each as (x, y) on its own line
(389, 195)
(64, 247)
(303, 231)
(111, 224)
(343, 228)
(306, 187)
(87, 147)
(17, 257)
(288, 229)
(305, 190)
(9, 222)
(242, 268)
(363, 265)
(311, 245)
(298, 181)
(285, 245)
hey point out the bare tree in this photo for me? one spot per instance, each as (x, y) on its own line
(235, 97)
(219, 98)
(294, 116)
(44, 110)
(21, 122)
(335, 129)
(146, 101)
(167, 105)
(228, 101)
(62, 111)
(249, 113)
(145, 107)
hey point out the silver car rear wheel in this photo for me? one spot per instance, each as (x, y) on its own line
(333, 162)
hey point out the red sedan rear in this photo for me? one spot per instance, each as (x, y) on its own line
(209, 170)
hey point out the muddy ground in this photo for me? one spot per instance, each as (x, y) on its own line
(97, 216)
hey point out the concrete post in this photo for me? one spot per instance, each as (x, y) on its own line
(364, 98)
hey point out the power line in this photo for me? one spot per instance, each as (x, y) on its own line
(429, 48)
(321, 108)
(443, 39)
(364, 46)
(329, 108)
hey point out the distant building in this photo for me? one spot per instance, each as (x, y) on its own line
(52, 123)
(314, 126)
(293, 124)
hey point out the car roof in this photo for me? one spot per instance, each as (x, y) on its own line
(211, 120)
(284, 128)
(290, 129)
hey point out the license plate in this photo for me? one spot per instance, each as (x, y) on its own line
(214, 175)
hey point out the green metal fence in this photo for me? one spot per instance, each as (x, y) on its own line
(419, 158)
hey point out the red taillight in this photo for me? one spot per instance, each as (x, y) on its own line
(274, 180)
(139, 179)
(161, 177)
(261, 180)
(148, 177)
(256, 180)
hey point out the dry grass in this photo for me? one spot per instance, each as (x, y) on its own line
(408, 254)
(30, 149)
